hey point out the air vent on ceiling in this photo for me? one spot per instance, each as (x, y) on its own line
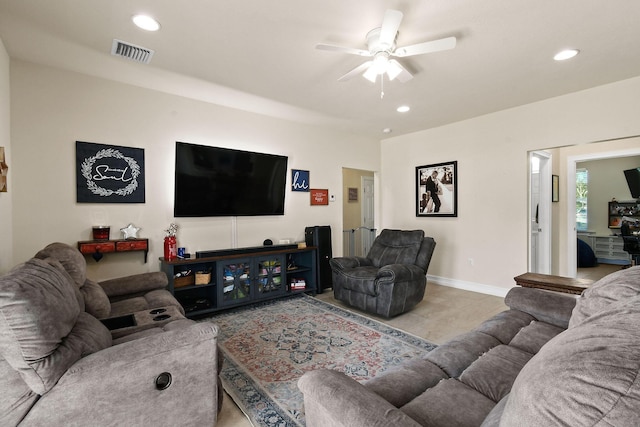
(131, 51)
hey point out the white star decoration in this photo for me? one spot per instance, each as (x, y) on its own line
(130, 231)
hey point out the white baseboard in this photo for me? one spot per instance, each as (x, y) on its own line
(468, 286)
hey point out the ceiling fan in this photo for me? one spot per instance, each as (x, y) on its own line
(381, 44)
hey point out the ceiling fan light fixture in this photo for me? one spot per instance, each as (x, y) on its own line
(393, 70)
(371, 74)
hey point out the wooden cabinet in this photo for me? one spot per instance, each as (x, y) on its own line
(239, 277)
(97, 248)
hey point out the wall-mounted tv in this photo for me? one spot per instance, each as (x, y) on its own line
(212, 181)
(633, 180)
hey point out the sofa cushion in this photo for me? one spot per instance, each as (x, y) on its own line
(396, 247)
(96, 301)
(70, 258)
(454, 356)
(481, 375)
(532, 337)
(449, 403)
(42, 328)
(587, 375)
(401, 384)
(614, 287)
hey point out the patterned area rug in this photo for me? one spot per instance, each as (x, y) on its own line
(268, 346)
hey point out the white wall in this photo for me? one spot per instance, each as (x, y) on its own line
(491, 227)
(6, 222)
(51, 109)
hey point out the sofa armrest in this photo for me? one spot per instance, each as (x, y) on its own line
(135, 284)
(333, 399)
(399, 273)
(117, 385)
(340, 263)
(551, 307)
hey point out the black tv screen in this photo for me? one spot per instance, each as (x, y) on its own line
(633, 180)
(212, 181)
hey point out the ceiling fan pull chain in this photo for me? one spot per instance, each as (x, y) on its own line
(382, 86)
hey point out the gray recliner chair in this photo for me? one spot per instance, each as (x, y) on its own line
(391, 279)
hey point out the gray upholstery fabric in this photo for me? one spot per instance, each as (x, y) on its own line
(395, 247)
(588, 375)
(96, 300)
(115, 386)
(58, 364)
(113, 297)
(41, 323)
(610, 289)
(460, 382)
(520, 368)
(137, 283)
(70, 258)
(415, 376)
(391, 279)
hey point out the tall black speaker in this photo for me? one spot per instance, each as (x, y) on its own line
(320, 237)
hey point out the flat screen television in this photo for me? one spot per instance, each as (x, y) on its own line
(633, 181)
(212, 181)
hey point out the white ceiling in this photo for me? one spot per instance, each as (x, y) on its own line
(260, 55)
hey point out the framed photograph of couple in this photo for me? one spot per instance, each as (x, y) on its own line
(437, 189)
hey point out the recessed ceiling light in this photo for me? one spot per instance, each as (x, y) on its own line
(386, 130)
(403, 109)
(566, 54)
(146, 22)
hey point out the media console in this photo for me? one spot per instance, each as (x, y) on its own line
(220, 279)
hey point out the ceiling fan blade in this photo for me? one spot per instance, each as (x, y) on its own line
(390, 25)
(426, 47)
(358, 70)
(342, 49)
(395, 70)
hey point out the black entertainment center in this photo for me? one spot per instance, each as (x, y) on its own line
(220, 279)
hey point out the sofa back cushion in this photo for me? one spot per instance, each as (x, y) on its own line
(42, 328)
(618, 286)
(395, 247)
(587, 375)
(96, 301)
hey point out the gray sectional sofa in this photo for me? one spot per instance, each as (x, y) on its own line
(61, 366)
(550, 360)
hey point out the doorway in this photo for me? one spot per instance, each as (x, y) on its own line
(572, 232)
(540, 212)
(358, 211)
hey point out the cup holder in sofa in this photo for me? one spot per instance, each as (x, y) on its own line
(161, 317)
(119, 322)
(157, 310)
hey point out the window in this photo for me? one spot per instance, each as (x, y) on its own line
(582, 189)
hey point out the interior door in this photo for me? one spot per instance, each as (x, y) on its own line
(366, 235)
(540, 212)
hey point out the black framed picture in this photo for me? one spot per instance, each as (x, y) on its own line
(109, 173)
(555, 184)
(437, 189)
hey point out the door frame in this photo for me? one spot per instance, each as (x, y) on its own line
(543, 246)
(572, 234)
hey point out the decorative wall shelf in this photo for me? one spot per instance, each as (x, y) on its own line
(97, 248)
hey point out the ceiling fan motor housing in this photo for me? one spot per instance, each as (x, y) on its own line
(374, 44)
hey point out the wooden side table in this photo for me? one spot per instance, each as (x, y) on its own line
(567, 285)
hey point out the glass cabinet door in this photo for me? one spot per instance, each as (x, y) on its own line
(270, 276)
(235, 282)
